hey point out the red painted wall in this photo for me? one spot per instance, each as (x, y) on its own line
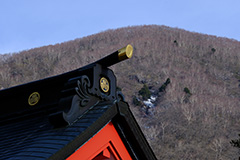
(105, 145)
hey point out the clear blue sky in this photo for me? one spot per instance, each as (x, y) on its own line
(26, 24)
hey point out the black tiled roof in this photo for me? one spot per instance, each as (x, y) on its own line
(53, 117)
(35, 137)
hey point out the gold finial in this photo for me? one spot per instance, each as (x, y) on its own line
(125, 53)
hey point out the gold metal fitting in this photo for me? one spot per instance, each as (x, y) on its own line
(125, 53)
(104, 84)
(34, 98)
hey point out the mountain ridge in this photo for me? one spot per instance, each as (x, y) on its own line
(199, 125)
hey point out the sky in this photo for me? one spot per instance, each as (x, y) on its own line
(26, 24)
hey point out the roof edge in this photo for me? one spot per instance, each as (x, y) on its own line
(132, 134)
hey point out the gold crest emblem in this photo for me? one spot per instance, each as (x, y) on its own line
(104, 84)
(34, 98)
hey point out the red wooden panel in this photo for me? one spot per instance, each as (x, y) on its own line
(105, 145)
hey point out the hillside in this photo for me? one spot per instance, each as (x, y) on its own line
(194, 117)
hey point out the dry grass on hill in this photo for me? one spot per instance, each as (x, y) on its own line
(200, 127)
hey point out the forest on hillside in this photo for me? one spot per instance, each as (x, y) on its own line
(193, 79)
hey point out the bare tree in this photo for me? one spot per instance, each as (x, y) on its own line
(163, 126)
(217, 147)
